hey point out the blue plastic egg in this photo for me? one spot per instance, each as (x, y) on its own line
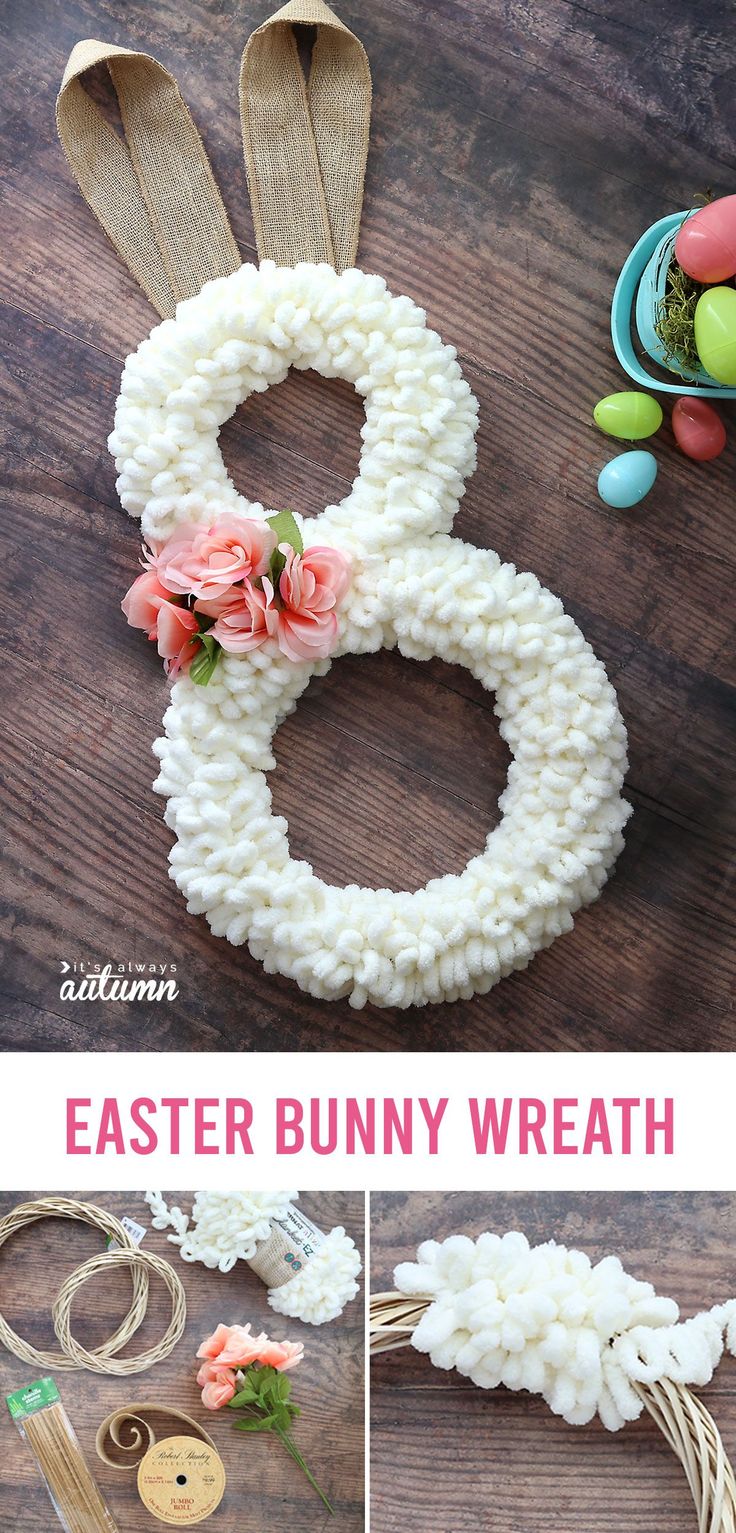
(627, 479)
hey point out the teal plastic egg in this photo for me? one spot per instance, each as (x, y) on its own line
(627, 479)
(630, 415)
(715, 332)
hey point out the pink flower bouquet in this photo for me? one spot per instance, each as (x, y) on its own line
(247, 1373)
(231, 587)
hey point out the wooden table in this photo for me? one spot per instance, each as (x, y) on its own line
(517, 154)
(265, 1489)
(447, 1455)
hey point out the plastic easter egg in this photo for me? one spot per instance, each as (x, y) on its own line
(699, 430)
(715, 332)
(706, 244)
(631, 415)
(627, 479)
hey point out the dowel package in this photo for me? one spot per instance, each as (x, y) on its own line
(44, 1425)
(310, 1275)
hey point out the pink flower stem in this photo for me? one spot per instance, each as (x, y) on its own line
(291, 1447)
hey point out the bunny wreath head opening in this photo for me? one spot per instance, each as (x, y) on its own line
(588, 1338)
(402, 579)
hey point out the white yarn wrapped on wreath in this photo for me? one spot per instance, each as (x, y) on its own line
(547, 1320)
(226, 1227)
(413, 587)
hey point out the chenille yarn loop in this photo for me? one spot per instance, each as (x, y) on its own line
(412, 586)
(87, 1213)
(240, 336)
(226, 1227)
(99, 1265)
(546, 1319)
(589, 1338)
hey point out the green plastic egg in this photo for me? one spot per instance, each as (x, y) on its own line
(715, 332)
(630, 415)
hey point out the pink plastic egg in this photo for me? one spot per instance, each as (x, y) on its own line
(706, 244)
(698, 429)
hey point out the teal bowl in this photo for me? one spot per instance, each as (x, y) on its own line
(640, 288)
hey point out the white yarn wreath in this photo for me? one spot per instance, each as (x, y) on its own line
(413, 587)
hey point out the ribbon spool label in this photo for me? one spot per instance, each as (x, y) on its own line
(181, 1481)
(293, 1241)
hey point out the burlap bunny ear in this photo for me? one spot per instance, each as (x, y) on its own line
(305, 141)
(153, 191)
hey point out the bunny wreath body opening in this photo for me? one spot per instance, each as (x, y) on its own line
(412, 586)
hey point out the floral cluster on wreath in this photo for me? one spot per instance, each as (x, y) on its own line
(233, 586)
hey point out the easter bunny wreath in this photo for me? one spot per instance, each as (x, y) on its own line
(590, 1339)
(247, 605)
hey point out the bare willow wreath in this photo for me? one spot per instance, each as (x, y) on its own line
(589, 1338)
(100, 1359)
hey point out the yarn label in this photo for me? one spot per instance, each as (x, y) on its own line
(293, 1241)
(34, 1397)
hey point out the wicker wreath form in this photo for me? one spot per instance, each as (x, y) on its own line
(87, 1213)
(101, 1265)
(686, 1425)
(100, 1359)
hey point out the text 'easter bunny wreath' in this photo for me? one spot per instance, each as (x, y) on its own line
(246, 605)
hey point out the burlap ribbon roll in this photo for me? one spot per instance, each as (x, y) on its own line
(153, 191)
(132, 1435)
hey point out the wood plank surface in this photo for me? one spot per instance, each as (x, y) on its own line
(445, 1454)
(265, 1489)
(517, 153)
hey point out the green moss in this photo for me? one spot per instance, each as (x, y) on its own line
(675, 320)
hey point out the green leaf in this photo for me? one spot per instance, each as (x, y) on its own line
(204, 662)
(245, 1396)
(283, 1386)
(250, 1425)
(276, 568)
(285, 526)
